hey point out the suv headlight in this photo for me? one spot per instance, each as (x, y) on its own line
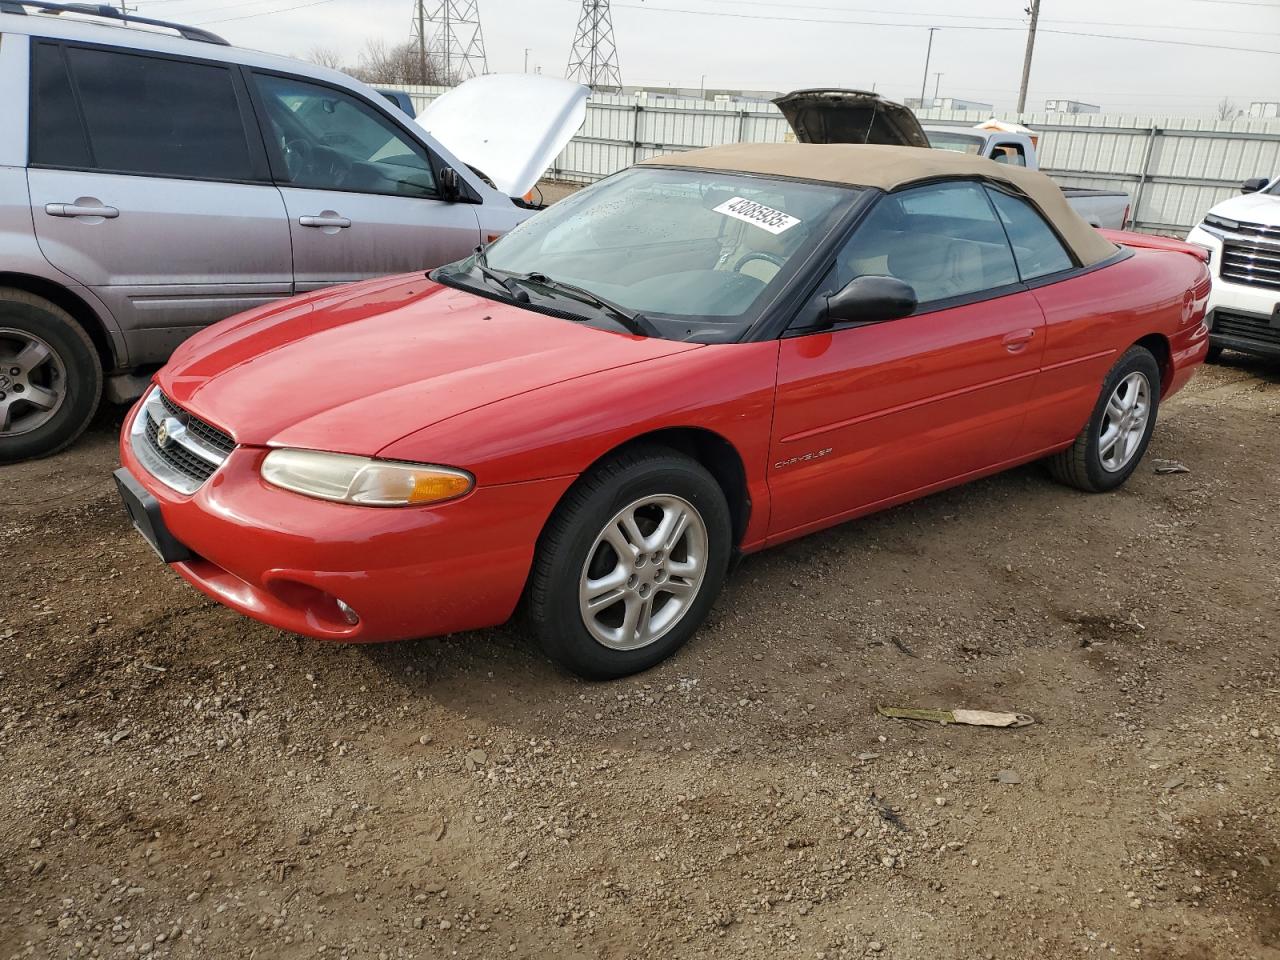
(362, 480)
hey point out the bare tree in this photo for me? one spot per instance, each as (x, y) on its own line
(325, 57)
(384, 64)
(1227, 109)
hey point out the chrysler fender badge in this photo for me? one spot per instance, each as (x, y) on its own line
(811, 455)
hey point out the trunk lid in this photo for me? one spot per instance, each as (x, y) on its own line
(850, 116)
(508, 126)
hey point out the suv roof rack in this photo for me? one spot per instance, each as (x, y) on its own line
(111, 13)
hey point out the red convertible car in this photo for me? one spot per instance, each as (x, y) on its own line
(699, 357)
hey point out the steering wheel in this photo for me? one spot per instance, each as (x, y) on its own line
(311, 164)
(297, 157)
(757, 255)
(330, 166)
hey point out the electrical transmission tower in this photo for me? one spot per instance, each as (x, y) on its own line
(594, 58)
(448, 40)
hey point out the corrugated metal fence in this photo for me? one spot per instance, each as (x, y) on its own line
(1174, 168)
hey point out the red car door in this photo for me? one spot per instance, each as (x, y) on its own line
(870, 415)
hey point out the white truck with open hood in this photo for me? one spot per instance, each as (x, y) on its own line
(859, 116)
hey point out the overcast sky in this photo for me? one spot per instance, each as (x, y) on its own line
(781, 46)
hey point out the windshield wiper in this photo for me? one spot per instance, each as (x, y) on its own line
(507, 282)
(632, 320)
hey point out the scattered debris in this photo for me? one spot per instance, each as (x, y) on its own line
(886, 813)
(972, 718)
(1170, 466)
(904, 648)
(1007, 776)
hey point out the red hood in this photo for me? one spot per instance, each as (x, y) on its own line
(355, 369)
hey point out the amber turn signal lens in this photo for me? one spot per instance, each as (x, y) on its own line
(430, 487)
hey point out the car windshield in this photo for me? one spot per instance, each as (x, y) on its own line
(698, 254)
(956, 142)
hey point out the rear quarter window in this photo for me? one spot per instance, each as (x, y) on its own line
(57, 135)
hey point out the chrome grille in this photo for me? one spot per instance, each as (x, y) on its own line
(190, 451)
(1250, 252)
(1246, 327)
(205, 431)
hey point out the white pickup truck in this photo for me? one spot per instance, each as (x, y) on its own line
(858, 116)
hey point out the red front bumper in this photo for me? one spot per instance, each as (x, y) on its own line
(286, 559)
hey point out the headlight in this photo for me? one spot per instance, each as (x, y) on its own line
(371, 483)
(1222, 223)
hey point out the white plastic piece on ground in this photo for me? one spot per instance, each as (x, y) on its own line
(508, 126)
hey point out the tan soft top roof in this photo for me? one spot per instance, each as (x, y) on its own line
(870, 165)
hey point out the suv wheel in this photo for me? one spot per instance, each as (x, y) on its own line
(630, 563)
(50, 377)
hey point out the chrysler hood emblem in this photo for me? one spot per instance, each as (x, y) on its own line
(167, 431)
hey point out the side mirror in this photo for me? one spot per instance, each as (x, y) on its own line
(871, 299)
(450, 188)
(1254, 184)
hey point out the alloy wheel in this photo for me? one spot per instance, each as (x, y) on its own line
(33, 382)
(1124, 422)
(643, 572)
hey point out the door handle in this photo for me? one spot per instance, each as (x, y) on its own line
(325, 220)
(81, 208)
(1018, 339)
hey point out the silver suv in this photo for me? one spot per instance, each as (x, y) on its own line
(154, 179)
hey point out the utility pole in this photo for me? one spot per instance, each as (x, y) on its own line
(447, 34)
(422, 42)
(937, 81)
(924, 81)
(526, 59)
(1034, 10)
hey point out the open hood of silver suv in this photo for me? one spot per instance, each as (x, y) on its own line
(508, 126)
(850, 116)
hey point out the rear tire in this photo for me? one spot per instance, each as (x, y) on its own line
(1112, 443)
(630, 563)
(50, 377)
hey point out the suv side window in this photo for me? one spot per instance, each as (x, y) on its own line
(943, 239)
(57, 135)
(330, 140)
(1036, 247)
(137, 115)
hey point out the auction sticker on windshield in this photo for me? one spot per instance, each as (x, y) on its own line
(757, 214)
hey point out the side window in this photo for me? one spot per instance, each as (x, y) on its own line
(943, 240)
(57, 136)
(152, 116)
(1036, 247)
(330, 140)
(1010, 153)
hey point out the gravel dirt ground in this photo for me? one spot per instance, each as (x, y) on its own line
(178, 781)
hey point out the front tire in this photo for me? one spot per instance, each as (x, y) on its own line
(1112, 443)
(630, 563)
(1214, 354)
(50, 377)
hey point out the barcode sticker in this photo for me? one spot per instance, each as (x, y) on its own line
(757, 214)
